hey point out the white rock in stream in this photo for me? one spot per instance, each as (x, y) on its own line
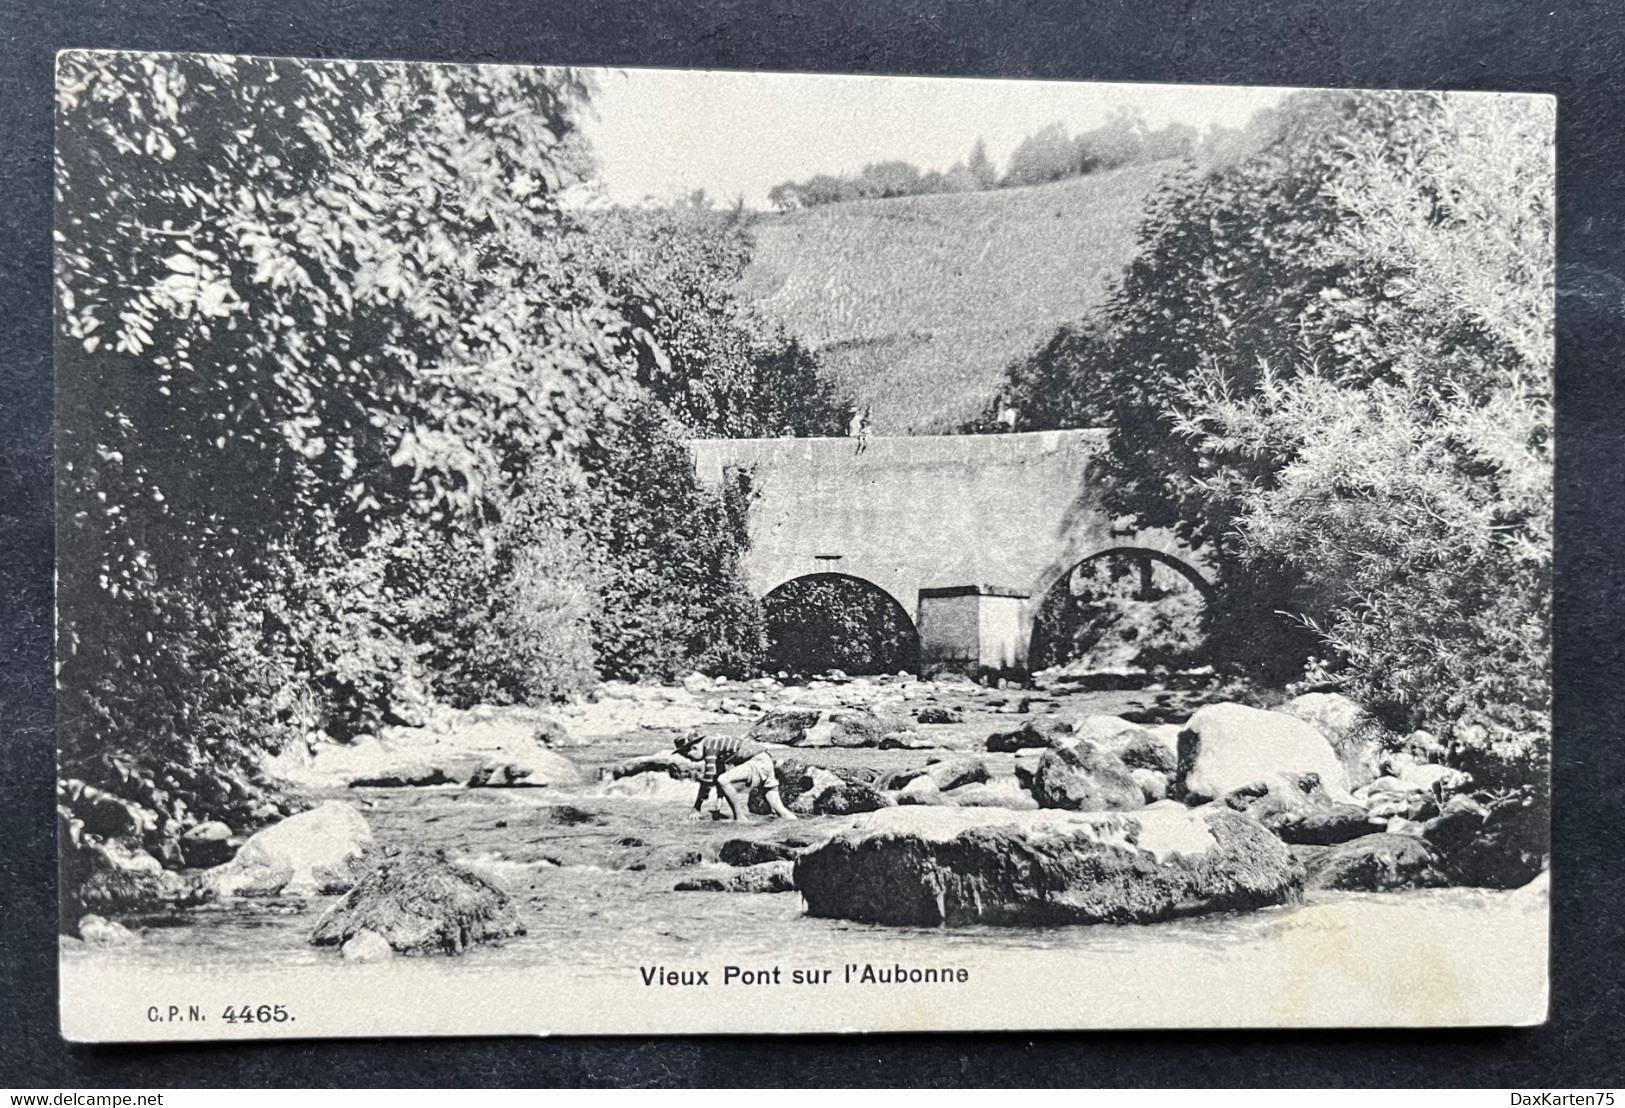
(367, 946)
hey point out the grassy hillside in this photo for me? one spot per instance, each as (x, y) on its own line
(919, 303)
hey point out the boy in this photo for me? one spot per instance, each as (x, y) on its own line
(730, 763)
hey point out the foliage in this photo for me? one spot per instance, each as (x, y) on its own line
(332, 372)
(830, 621)
(667, 559)
(1329, 367)
(1050, 154)
(712, 359)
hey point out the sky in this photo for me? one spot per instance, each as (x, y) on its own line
(661, 133)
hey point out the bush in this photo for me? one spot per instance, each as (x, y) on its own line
(1329, 368)
(665, 552)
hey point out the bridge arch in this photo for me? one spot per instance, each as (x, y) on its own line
(827, 620)
(1146, 555)
(1056, 625)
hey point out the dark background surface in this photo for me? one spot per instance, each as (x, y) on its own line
(1573, 50)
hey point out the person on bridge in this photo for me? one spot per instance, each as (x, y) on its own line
(731, 762)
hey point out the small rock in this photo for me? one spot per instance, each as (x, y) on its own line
(937, 715)
(1153, 784)
(1046, 733)
(208, 844)
(755, 852)
(97, 931)
(998, 792)
(1297, 808)
(818, 727)
(767, 877)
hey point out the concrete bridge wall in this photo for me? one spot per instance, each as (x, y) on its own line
(923, 512)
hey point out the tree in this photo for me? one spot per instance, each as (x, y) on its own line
(1044, 156)
(299, 304)
(981, 166)
(710, 358)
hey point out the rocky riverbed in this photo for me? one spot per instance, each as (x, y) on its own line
(604, 872)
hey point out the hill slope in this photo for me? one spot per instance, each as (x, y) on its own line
(917, 304)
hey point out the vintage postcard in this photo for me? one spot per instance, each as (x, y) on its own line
(550, 551)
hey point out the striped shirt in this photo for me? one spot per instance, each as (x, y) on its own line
(726, 752)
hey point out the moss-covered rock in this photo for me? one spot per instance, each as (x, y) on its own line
(1375, 863)
(920, 866)
(420, 903)
(1084, 778)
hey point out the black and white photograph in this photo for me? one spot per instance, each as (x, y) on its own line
(560, 550)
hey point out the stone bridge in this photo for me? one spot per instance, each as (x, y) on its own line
(966, 532)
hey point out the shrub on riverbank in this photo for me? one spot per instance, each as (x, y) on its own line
(1329, 369)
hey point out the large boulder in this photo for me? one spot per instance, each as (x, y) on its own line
(1225, 747)
(324, 850)
(924, 867)
(821, 727)
(1501, 845)
(809, 786)
(421, 904)
(1358, 738)
(1085, 778)
(1298, 809)
(1043, 733)
(849, 799)
(803, 788)
(1376, 863)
